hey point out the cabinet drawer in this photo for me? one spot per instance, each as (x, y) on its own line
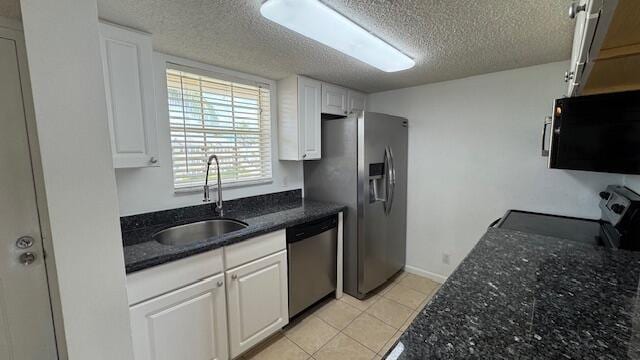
(255, 248)
(145, 284)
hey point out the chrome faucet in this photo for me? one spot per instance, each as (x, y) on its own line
(206, 185)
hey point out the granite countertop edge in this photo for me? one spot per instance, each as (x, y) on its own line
(150, 253)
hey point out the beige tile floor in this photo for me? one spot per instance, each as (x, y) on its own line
(349, 328)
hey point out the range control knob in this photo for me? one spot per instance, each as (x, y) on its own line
(617, 208)
(605, 195)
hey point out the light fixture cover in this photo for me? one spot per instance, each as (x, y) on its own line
(319, 22)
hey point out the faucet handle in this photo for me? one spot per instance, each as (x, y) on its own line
(206, 194)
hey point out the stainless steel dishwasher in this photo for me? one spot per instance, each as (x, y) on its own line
(312, 253)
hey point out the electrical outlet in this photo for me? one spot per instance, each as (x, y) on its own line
(446, 258)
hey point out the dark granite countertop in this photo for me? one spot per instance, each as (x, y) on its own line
(524, 296)
(141, 252)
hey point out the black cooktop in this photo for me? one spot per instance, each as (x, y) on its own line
(576, 229)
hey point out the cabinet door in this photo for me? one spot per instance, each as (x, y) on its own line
(356, 101)
(309, 108)
(128, 77)
(258, 301)
(587, 23)
(189, 323)
(334, 100)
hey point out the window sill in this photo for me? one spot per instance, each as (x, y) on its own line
(234, 185)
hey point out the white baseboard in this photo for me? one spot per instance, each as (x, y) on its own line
(428, 274)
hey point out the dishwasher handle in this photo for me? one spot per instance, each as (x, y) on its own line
(307, 230)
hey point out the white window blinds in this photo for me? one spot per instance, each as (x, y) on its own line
(210, 116)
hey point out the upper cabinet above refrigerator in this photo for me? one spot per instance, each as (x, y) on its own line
(334, 100)
(606, 47)
(356, 101)
(339, 102)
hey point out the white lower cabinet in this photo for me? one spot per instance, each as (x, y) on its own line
(257, 295)
(188, 323)
(181, 310)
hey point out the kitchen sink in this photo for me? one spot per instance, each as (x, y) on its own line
(197, 231)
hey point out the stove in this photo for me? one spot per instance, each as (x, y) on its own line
(618, 227)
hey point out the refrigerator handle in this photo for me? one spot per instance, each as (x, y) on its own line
(393, 176)
(390, 181)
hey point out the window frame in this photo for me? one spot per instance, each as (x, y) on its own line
(215, 72)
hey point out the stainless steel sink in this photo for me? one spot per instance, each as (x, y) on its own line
(198, 231)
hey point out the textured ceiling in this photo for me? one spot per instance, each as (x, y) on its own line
(449, 39)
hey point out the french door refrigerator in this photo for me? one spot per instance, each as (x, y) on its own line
(364, 166)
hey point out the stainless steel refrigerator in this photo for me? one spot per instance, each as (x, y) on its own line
(364, 166)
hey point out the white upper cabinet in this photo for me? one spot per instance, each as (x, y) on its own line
(301, 101)
(128, 76)
(299, 123)
(257, 294)
(188, 323)
(356, 101)
(592, 18)
(334, 100)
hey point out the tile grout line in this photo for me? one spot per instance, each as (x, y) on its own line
(366, 310)
(323, 345)
(346, 326)
(328, 341)
(416, 309)
(365, 346)
(339, 331)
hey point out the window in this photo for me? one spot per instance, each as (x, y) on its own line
(213, 116)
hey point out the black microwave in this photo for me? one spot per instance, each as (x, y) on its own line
(596, 133)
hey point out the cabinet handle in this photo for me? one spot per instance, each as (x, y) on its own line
(220, 283)
(304, 156)
(234, 276)
(153, 160)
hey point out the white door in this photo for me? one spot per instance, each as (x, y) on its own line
(334, 99)
(309, 107)
(188, 323)
(258, 301)
(26, 327)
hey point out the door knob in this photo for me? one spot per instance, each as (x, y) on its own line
(234, 276)
(220, 283)
(27, 258)
(575, 8)
(24, 242)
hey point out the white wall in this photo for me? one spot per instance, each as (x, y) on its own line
(71, 120)
(474, 152)
(632, 182)
(151, 189)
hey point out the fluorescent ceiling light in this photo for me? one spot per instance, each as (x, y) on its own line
(319, 22)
